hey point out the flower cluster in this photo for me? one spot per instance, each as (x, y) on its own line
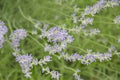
(44, 60)
(54, 74)
(86, 21)
(25, 62)
(3, 31)
(112, 3)
(15, 38)
(58, 37)
(92, 10)
(86, 59)
(57, 40)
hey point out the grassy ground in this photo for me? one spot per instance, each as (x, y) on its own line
(14, 13)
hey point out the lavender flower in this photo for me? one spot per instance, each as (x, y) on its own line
(55, 74)
(117, 20)
(47, 69)
(91, 32)
(3, 28)
(25, 62)
(87, 21)
(18, 34)
(15, 38)
(1, 41)
(45, 60)
(3, 31)
(88, 58)
(112, 3)
(92, 10)
(55, 34)
(52, 49)
(103, 57)
(77, 77)
(75, 18)
(59, 37)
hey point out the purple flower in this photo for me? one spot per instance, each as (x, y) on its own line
(77, 77)
(112, 3)
(52, 49)
(103, 57)
(3, 28)
(75, 57)
(87, 21)
(3, 31)
(18, 34)
(56, 34)
(25, 62)
(92, 10)
(15, 38)
(117, 20)
(45, 60)
(88, 58)
(58, 37)
(1, 41)
(55, 74)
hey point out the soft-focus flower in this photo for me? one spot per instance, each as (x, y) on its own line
(15, 38)
(88, 58)
(112, 3)
(18, 34)
(25, 62)
(117, 20)
(91, 32)
(86, 21)
(58, 37)
(45, 60)
(96, 8)
(103, 57)
(1, 41)
(77, 77)
(55, 74)
(3, 28)
(3, 31)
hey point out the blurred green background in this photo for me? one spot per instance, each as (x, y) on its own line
(57, 12)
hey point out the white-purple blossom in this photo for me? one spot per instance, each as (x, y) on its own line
(56, 34)
(44, 60)
(25, 62)
(112, 3)
(77, 77)
(103, 57)
(88, 58)
(55, 74)
(52, 49)
(58, 37)
(96, 8)
(3, 28)
(1, 41)
(86, 21)
(18, 34)
(15, 38)
(3, 31)
(117, 20)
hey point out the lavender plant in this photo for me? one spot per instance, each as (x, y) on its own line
(56, 52)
